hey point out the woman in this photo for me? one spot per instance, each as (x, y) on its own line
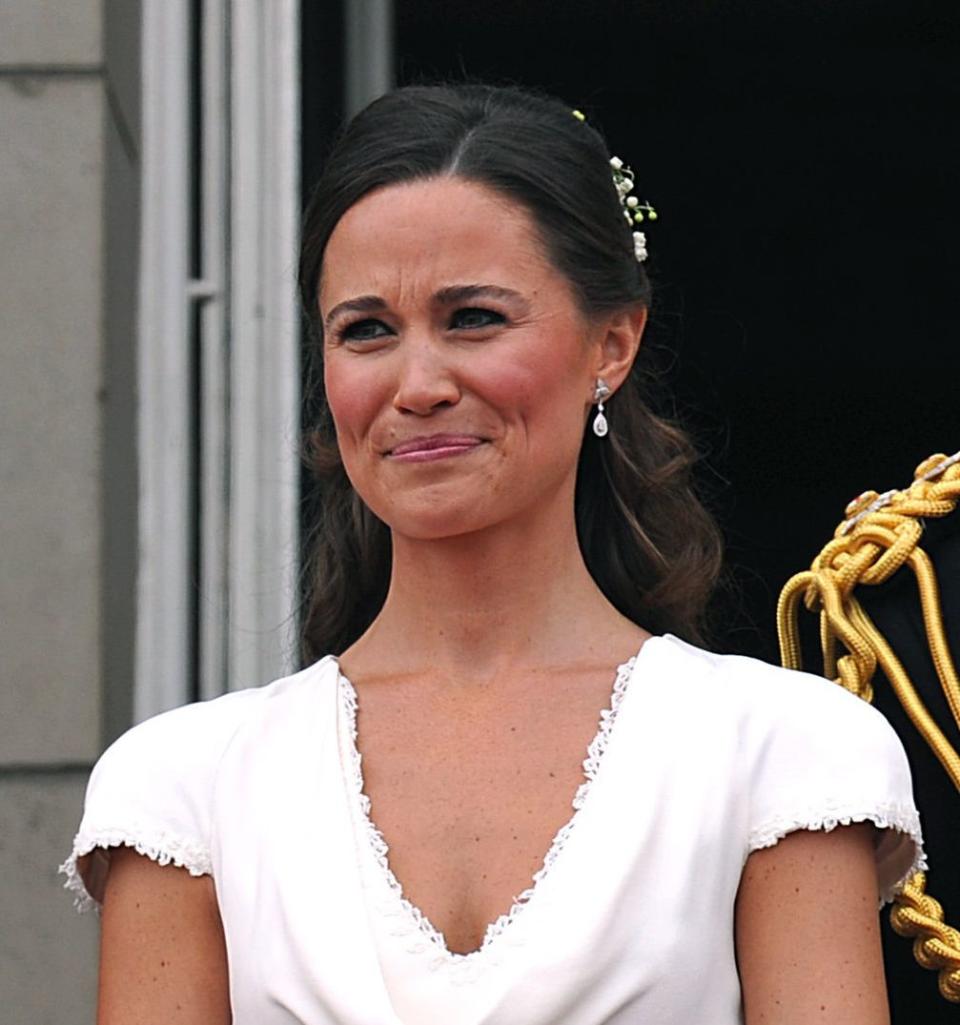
(507, 542)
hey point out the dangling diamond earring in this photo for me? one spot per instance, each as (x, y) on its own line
(600, 425)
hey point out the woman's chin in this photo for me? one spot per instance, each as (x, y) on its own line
(437, 513)
(435, 524)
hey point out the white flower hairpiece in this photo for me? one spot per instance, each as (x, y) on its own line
(634, 211)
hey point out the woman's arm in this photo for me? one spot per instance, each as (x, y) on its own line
(808, 932)
(162, 953)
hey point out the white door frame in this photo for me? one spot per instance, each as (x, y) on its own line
(221, 583)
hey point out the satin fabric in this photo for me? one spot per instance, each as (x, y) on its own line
(709, 758)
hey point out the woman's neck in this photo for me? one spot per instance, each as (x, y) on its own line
(513, 596)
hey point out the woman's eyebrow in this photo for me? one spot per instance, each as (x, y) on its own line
(362, 304)
(444, 297)
(463, 293)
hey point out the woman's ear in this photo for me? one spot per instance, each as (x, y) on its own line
(618, 341)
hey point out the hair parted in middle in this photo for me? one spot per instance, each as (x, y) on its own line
(647, 540)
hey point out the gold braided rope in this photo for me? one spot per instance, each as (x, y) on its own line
(880, 535)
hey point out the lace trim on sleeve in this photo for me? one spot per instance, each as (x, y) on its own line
(901, 818)
(160, 847)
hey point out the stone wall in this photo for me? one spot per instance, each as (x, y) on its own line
(69, 123)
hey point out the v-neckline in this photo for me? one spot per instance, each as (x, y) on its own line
(381, 851)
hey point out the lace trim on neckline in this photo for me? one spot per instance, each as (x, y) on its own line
(381, 850)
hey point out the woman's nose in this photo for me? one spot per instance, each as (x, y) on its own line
(425, 381)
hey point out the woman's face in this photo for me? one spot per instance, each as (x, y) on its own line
(457, 365)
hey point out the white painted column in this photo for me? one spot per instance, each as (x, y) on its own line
(163, 665)
(264, 340)
(212, 293)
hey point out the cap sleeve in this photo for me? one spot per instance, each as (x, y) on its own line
(152, 790)
(823, 758)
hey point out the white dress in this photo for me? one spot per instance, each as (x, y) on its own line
(699, 760)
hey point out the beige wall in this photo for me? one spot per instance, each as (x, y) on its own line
(69, 120)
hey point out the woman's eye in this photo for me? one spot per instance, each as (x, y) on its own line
(363, 331)
(474, 317)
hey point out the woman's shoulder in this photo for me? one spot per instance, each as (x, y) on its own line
(188, 741)
(758, 696)
(153, 787)
(804, 752)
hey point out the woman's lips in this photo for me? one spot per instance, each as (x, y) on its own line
(436, 446)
